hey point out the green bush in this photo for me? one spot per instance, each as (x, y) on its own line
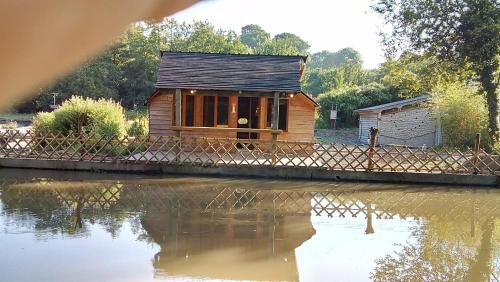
(350, 99)
(138, 126)
(100, 117)
(43, 123)
(463, 114)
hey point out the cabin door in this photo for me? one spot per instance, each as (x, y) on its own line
(248, 116)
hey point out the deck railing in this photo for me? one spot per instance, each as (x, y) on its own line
(238, 152)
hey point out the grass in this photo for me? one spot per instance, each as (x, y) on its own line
(16, 117)
(134, 114)
(9, 125)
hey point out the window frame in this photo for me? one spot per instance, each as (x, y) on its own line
(216, 111)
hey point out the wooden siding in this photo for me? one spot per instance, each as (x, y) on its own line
(300, 125)
(161, 108)
(300, 120)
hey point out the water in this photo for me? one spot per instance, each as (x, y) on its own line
(99, 227)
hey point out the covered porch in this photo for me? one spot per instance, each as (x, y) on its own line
(232, 114)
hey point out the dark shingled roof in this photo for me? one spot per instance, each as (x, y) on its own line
(230, 72)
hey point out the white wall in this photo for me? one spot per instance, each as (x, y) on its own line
(366, 121)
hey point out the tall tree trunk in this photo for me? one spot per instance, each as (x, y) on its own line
(489, 86)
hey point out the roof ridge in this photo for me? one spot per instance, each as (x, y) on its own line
(304, 57)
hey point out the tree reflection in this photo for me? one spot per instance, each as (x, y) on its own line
(447, 247)
(53, 207)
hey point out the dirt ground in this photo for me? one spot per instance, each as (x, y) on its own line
(339, 136)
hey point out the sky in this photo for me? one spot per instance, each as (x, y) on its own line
(324, 24)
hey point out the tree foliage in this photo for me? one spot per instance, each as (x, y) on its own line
(127, 70)
(464, 32)
(414, 75)
(350, 99)
(462, 114)
(254, 36)
(327, 59)
(322, 80)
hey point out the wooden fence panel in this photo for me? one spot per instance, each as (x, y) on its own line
(239, 152)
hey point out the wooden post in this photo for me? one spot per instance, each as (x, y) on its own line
(79, 126)
(178, 108)
(276, 119)
(371, 150)
(477, 145)
(178, 121)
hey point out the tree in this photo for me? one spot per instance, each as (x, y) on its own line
(327, 59)
(460, 121)
(465, 32)
(204, 37)
(293, 41)
(97, 78)
(254, 36)
(414, 75)
(318, 80)
(350, 99)
(127, 70)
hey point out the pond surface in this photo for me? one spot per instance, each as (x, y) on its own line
(100, 227)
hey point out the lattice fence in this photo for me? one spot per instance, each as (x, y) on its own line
(238, 152)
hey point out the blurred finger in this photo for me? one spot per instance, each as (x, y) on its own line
(42, 40)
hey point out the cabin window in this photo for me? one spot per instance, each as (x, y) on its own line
(283, 112)
(189, 112)
(215, 111)
(222, 110)
(208, 111)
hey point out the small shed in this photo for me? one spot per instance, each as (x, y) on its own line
(231, 95)
(407, 122)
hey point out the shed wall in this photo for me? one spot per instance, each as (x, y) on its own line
(411, 126)
(366, 121)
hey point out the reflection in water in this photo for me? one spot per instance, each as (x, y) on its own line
(250, 230)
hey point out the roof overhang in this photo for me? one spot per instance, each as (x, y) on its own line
(306, 97)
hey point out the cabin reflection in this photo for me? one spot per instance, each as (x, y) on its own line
(226, 233)
(228, 246)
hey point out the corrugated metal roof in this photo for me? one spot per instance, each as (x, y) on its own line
(393, 105)
(230, 72)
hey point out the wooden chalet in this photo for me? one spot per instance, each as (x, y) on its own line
(234, 96)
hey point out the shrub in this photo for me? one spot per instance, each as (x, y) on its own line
(100, 117)
(138, 126)
(43, 123)
(350, 99)
(463, 113)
